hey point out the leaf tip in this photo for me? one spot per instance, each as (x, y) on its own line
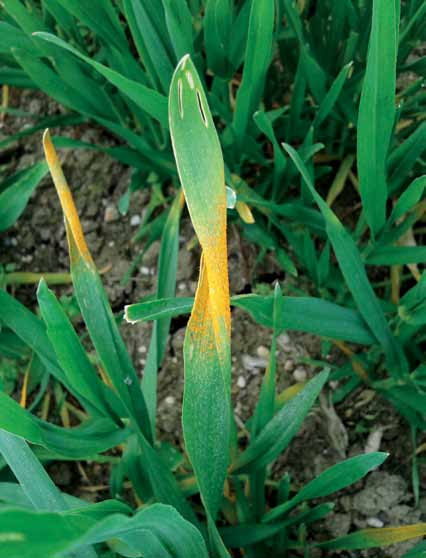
(49, 150)
(244, 212)
(126, 315)
(72, 221)
(41, 287)
(183, 61)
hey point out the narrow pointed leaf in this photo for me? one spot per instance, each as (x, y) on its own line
(280, 430)
(167, 266)
(303, 313)
(377, 111)
(206, 408)
(15, 197)
(158, 531)
(257, 59)
(331, 480)
(353, 270)
(372, 538)
(79, 443)
(332, 95)
(409, 198)
(33, 479)
(149, 100)
(94, 305)
(77, 367)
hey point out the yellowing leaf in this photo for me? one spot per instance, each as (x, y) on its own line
(370, 538)
(244, 212)
(72, 220)
(94, 305)
(206, 411)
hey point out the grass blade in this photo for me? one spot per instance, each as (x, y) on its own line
(332, 95)
(73, 358)
(217, 27)
(94, 305)
(157, 531)
(377, 111)
(179, 25)
(397, 255)
(35, 482)
(373, 538)
(167, 266)
(206, 409)
(409, 198)
(279, 431)
(303, 313)
(79, 443)
(353, 270)
(257, 59)
(149, 33)
(14, 199)
(33, 332)
(149, 100)
(404, 157)
(331, 480)
(101, 18)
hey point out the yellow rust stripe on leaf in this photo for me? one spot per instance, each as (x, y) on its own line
(211, 310)
(375, 537)
(65, 197)
(201, 170)
(216, 264)
(199, 325)
(393, 535)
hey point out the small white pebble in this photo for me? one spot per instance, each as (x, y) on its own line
(241, 382)
(111, 243)
(170, 400)
(111, 214)
(251, 362)
(142, 349)
(289, 365)
(144, 270)
(135, 220)
(142, 361)
(181, 287)
(300, 374)
(375, 522)
(284, 339)
(174, 360)
(262, 351)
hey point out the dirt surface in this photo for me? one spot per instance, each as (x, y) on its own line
(37, 243)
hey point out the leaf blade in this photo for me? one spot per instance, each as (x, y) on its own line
(377, 112)
(207, 340)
